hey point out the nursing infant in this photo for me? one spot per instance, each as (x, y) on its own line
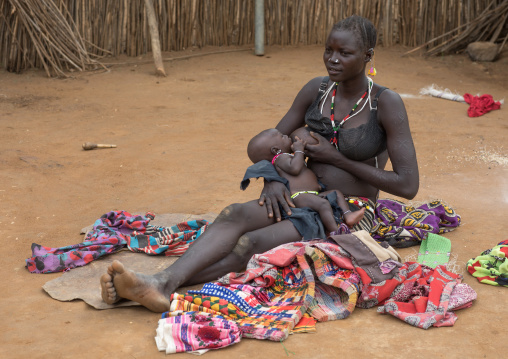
(288, 157)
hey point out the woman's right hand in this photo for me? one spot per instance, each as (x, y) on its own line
(323, 151)
(274, 194)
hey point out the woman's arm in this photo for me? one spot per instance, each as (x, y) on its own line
(403, 180)
(295, 117)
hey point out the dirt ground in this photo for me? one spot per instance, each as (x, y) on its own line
(181, 148)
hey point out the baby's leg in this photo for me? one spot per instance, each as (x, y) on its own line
(320, 205)
(351, 217)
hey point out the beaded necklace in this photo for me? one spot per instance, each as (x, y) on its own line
(336, 128)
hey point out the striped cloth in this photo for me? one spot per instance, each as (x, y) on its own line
(170, 241)
(195, 332)
(113, 232)
(269, 299)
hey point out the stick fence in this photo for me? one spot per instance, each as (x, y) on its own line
(59, 35)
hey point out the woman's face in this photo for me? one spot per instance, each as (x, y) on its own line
(344, 58)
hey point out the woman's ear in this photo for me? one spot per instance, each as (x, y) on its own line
(369, 55)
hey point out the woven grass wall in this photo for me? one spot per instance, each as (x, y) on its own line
(62, 34)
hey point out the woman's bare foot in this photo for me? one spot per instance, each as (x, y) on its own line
(353, 218)
(120, 283)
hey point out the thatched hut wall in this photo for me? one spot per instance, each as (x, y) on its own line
(71, 33)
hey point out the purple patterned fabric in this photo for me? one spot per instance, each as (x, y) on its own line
(109, 235)
(404, 225)
(112, 232)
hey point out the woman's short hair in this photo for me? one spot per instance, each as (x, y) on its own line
(360, 26)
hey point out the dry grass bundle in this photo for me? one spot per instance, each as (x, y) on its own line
(488, 26)
(58, 46)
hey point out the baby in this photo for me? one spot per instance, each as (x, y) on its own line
(273, 146)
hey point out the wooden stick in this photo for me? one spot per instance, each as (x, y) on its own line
(154, 34)
(90, 146)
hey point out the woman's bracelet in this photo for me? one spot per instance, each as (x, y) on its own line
(299, 152)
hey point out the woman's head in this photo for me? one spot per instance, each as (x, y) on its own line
(267, 144)
(362, 28)
(349, 47)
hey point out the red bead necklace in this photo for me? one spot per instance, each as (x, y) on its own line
(334, 139)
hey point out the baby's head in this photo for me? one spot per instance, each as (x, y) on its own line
(267, 144)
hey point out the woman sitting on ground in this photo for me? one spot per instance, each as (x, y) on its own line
(357, 125)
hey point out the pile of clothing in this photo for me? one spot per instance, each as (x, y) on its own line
(290, 287)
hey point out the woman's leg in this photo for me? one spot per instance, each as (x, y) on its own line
(223, 240)
(255, 242)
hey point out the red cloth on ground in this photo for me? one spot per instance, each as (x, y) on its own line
(480, 105)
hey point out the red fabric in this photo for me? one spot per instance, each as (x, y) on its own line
(422, 300)
(480, 105)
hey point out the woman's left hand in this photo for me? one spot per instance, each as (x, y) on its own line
(323, 151)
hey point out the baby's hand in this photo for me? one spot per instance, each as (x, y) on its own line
(298, 144)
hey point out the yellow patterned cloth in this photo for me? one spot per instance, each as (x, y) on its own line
(404, 225)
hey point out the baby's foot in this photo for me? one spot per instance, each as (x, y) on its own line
(353, 218)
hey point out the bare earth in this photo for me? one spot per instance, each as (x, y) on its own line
(181, 148)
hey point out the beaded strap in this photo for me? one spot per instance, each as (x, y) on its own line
(360, 203)
(294, 195)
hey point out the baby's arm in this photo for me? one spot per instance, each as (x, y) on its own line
(293, 165)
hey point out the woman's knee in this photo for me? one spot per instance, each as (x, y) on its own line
(232, 213)
(245, 247)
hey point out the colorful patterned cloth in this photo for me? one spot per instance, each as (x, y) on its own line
(419, 295)
(195, 331)
(491, 266)
(111, 233)
(403, 226)
(427, 294)
(270, 298)
(307, 324)
(321, 279)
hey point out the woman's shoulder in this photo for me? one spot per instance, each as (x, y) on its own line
(312, 87)
(387, 99)
(390, 106)
(385, 95)
(316, 82)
